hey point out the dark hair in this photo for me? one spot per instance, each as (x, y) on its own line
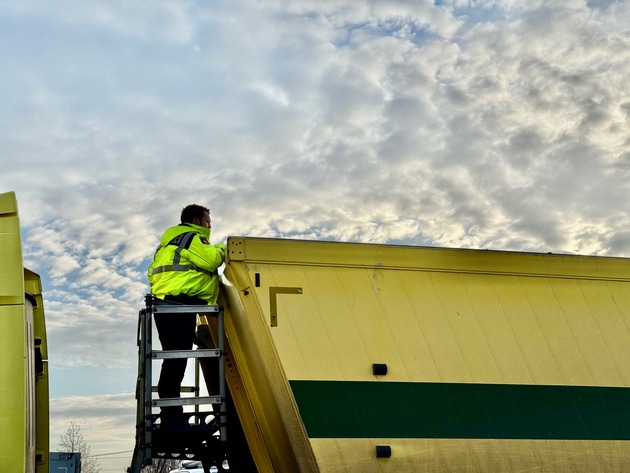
(193, 211)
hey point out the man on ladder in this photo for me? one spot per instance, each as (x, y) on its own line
(183, 271)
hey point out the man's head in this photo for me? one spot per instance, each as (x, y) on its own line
(196, 214)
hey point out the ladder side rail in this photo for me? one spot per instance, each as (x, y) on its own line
(148, 379)
(222, 388)
(138, 457)
(196, 390)
(140, 383)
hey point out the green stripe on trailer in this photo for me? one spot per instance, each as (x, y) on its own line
(368, 409)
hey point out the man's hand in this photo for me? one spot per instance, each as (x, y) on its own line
(220, 247)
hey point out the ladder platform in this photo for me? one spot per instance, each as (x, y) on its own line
(186, 309)
(185, 401)
(199, 353)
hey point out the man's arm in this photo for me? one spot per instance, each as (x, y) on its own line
(204, 255)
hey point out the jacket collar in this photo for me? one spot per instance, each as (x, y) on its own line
(204, 231)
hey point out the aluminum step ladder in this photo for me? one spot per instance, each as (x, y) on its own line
(206, 438)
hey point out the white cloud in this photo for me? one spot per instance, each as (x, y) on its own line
(445, 124)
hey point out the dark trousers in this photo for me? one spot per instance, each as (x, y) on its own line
(176, 332)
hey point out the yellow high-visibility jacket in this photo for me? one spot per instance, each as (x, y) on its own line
(186, 263)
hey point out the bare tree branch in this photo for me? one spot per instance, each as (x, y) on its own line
(72, 441)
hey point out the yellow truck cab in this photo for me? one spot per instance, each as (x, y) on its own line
(23, 354)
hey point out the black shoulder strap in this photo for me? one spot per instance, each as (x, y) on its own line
(183, 241)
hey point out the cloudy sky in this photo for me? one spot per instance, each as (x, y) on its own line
(500, 124)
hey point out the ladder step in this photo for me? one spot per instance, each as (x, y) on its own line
(200, 353)
(183, 389)
(185, 401)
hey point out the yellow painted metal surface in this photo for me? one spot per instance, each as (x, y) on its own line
(550, 333)
(33, 288)
(11, 281)
(461, 455)
(23, 382)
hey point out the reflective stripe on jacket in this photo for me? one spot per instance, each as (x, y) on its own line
(186, 263)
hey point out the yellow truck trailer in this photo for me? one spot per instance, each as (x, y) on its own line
(24, 438)
(345, 357)
(373, 358)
